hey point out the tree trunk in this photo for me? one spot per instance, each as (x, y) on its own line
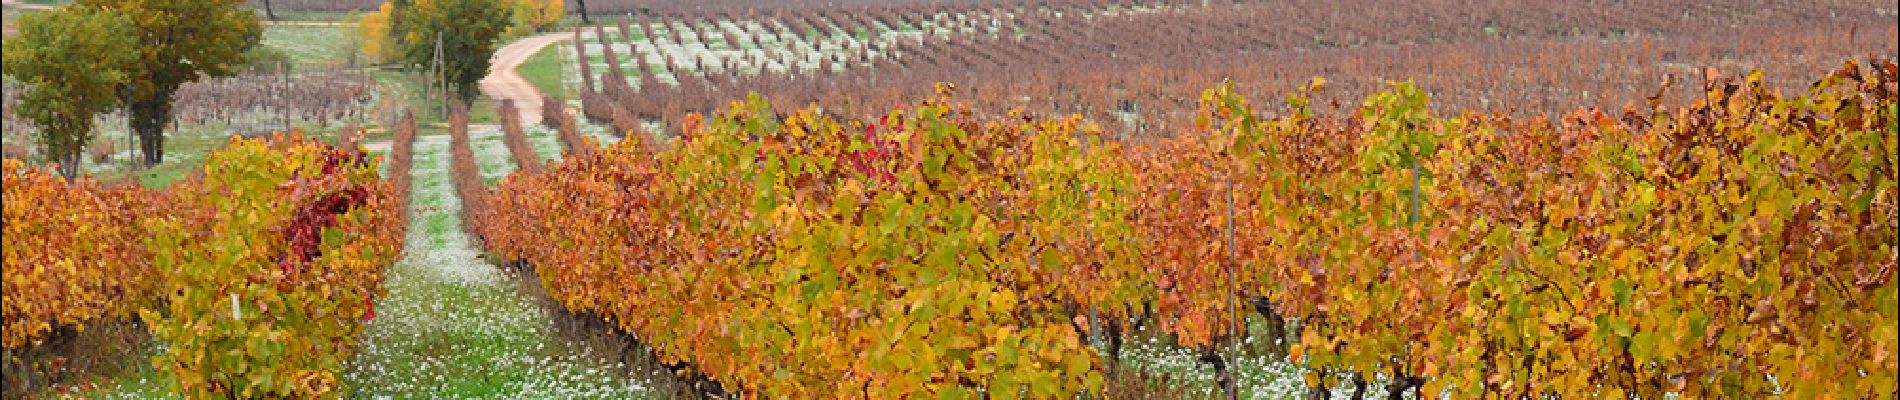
(1318, 393)
(1223, 376)
(1115, 341)
(1400, 384)
(465, 91)
(583, 7)
(1276, 326)
(148, 123)
(69, 159)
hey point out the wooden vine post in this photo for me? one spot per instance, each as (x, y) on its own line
(1233, 291)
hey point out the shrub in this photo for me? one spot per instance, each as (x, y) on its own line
(74, 252)
(266, 298)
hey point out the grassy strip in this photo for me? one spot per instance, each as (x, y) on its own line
(545, 69)
(456, 326)
(492, 156)
(308, 45)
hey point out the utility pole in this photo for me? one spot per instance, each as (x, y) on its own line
(437, 74)
(429, 79)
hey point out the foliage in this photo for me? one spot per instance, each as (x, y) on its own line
(401, 157)
(266, 298)
(1739, 247)
(516, 140)
(75, 252)
(468, 30)
(569, 132)
(813, 258)
(530, 16)
(373, 31)
(1742, 246)
(267, 59)
(73, 61)
(465, 174)
(178, 41)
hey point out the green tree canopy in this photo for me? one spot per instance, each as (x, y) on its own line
(468, 31)
(178, 41)
(73, 62)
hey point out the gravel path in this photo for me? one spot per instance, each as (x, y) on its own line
(503, 82)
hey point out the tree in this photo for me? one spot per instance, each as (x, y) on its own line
(73, 61)
(177, 41)
(468, 30)
(376, 35)
(531, 16)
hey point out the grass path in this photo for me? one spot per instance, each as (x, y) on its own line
(454, 325)
(492, 159)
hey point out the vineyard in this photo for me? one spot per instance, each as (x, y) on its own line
(253, 103)
(285, 240)
(993, 199)
(1742, 246)
(265, 101)
(1099, 59)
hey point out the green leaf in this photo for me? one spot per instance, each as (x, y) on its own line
(955, 393)
(1641, 344)
(1620, 289)
(1621, 327)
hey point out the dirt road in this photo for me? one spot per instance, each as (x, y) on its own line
(503, 82)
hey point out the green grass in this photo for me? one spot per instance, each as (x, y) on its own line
(165, 174)
(311, 45)
(186, 147)
(307, 16)
(492, 157)
(545, 70)
(139, 381)
(411, 88)
(455, 326)
(185, 150)
(482, 111)
(411, 91)
(546, 142)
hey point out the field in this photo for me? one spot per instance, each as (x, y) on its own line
(548, 70)
(866, 55)
(998, 199)
(317, 93)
